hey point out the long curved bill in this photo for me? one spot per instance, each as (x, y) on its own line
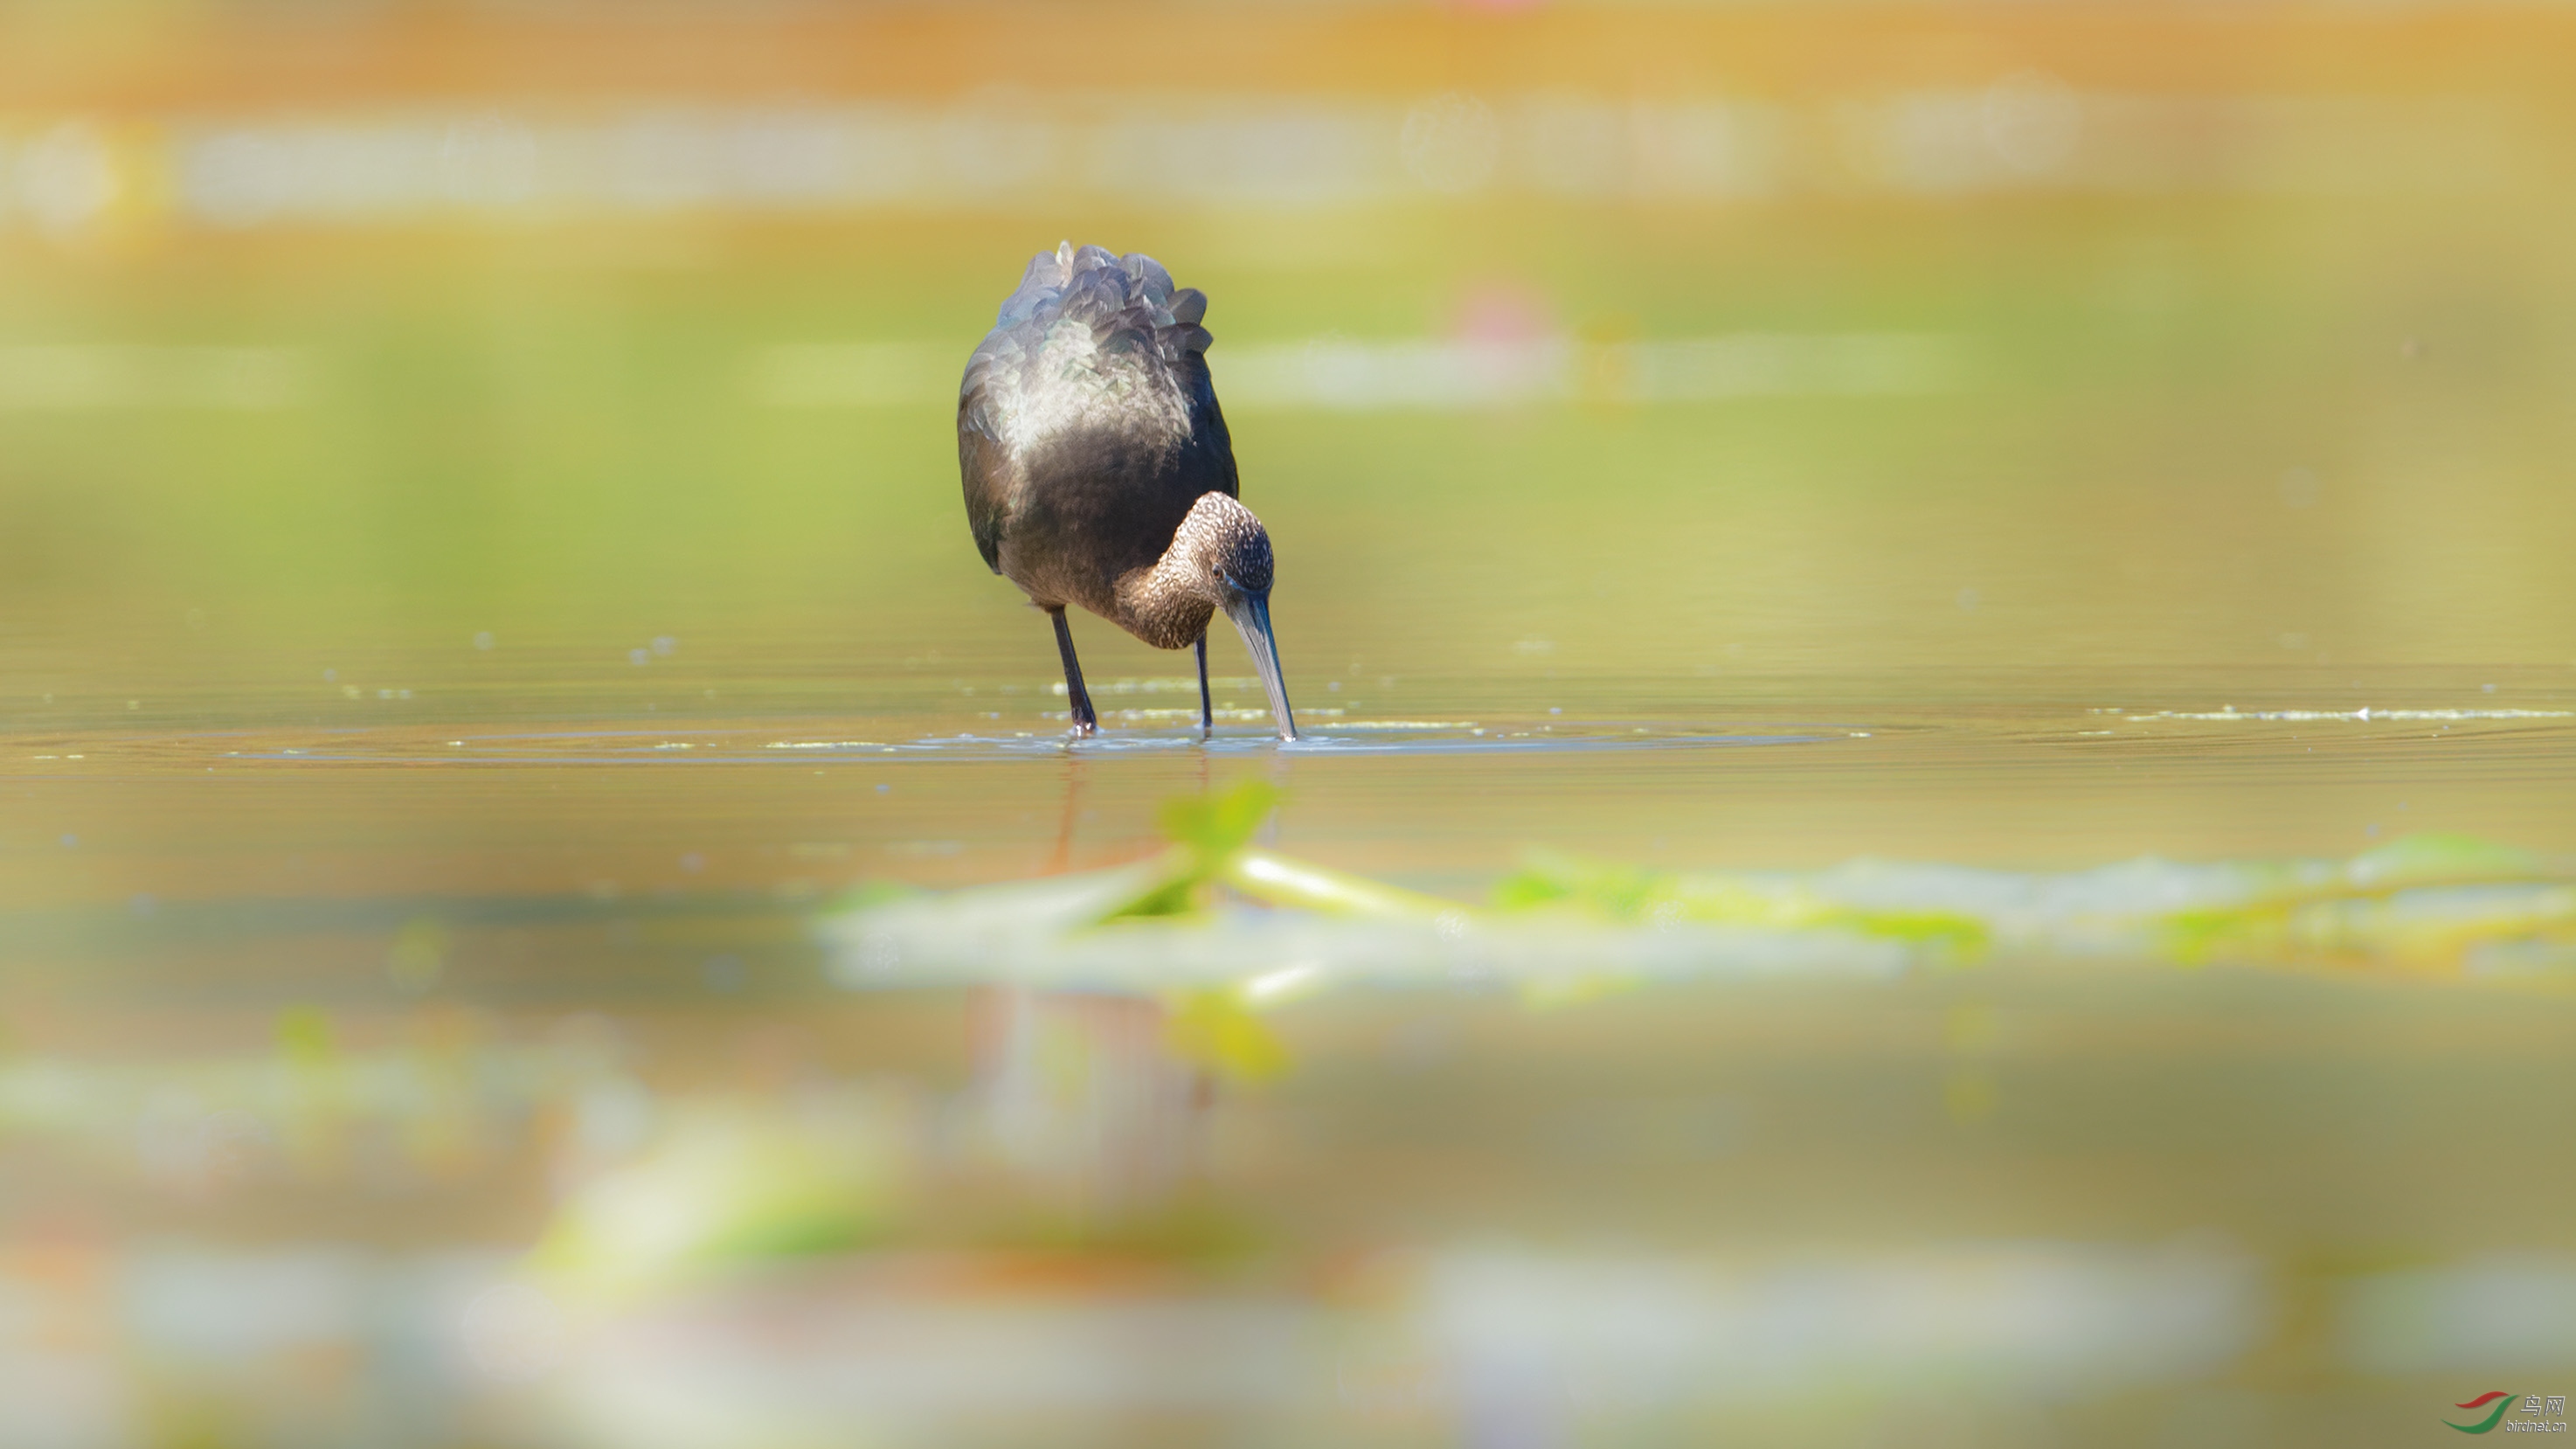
(1251, 616)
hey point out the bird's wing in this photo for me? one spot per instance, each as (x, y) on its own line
(1145, 359)
(982, 462)
(990, 393)
(1086, 332)
(1132, 306)
(1039, 286)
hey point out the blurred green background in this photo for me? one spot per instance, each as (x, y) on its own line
(2239, 336)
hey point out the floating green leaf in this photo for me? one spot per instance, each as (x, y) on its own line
(1207, 832)
(304, 1035)
(1217, 825)
(1216, 1031)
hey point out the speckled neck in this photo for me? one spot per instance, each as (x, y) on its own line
(1165, 605)
(1169, 604)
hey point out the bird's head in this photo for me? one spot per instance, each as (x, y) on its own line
(1229, 560)
(1228, 549)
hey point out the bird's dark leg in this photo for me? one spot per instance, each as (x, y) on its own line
(1085, 722)
(1207, 711)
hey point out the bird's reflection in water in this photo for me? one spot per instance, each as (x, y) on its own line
(1079, 1104)
(1079, 1098)
(1061, 860)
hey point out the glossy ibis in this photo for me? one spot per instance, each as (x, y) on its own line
(1098, 471)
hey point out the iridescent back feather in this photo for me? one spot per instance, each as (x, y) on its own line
(1088, 340)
